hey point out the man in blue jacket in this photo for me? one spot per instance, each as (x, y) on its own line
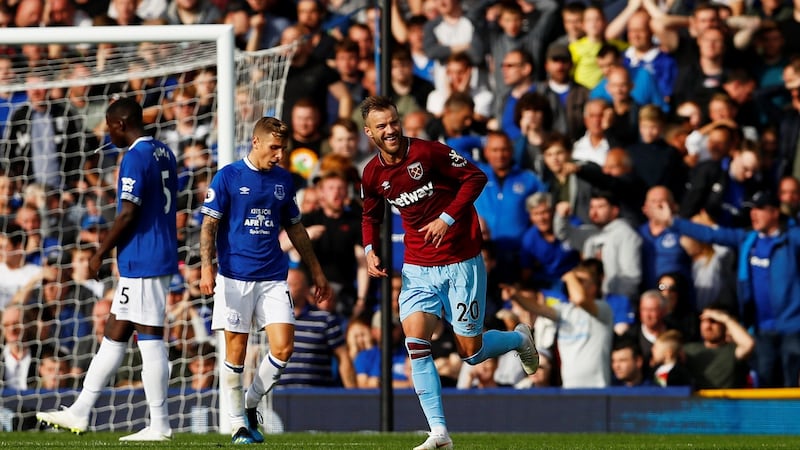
(767, 281)
(501, 205)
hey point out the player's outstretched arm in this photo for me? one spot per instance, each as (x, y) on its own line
(577, 294)
(208, 249)
(302, 243)
(528, 300)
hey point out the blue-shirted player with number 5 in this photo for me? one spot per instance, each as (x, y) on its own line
(145, 236)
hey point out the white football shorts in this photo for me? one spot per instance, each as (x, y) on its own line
(141, 300)
(238, 305)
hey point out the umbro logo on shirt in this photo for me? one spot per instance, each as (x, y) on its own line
(244, 190)
(385, 185)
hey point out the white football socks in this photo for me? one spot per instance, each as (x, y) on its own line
(269, 372)
(233, 376)
(155, 378)
(104, 364)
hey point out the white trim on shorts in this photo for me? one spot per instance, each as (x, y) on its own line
(142, 301)
(238, 305)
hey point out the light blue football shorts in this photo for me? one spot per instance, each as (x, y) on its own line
(456, 290)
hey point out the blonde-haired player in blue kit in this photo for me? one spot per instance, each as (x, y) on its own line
(246, 205)
(145, 236)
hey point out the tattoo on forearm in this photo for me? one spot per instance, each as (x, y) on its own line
(208, 235)
(302, 243)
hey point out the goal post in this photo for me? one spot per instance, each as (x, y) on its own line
(222, 35)
(180, 53)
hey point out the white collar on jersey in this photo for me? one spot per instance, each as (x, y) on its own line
(249, 164)
(140, 139)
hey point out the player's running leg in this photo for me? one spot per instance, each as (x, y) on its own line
(269, 372)
(273, 311)
(428, 387)
(105, 363)
(495, 343)
(527, 352)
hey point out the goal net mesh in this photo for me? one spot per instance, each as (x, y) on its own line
(57, 201)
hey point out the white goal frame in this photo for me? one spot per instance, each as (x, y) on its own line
(221, 34)
(226, 83)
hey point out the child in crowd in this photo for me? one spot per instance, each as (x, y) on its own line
(584, 51)
(667, 351)
(655, 161)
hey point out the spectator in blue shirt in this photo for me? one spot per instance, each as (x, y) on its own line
(368, 362)
(643, 53)
(544, 258)
(767, 281)
(502, 203)
(661, 248)
(518, 74)
(644, 89)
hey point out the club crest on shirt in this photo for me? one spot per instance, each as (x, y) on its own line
(280, 192)
(415, 170)
(669, 241)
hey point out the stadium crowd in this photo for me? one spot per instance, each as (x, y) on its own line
(640, 213)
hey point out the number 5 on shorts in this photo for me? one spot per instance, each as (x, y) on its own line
(124, 296)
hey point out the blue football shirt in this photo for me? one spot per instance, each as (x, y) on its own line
(251, 206)
(148, 178)
(760, 261)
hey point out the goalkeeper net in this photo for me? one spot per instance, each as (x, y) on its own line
(57, 200)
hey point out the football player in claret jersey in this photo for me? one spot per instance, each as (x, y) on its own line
(145, 236)
(443, 273)
(246, 205)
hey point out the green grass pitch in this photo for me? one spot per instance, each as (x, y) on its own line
(391, 441)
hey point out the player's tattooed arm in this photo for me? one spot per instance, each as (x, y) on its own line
(208, 236)
(302, 243)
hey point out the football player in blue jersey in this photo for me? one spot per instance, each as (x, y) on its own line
(144, 234)
(247, 204)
